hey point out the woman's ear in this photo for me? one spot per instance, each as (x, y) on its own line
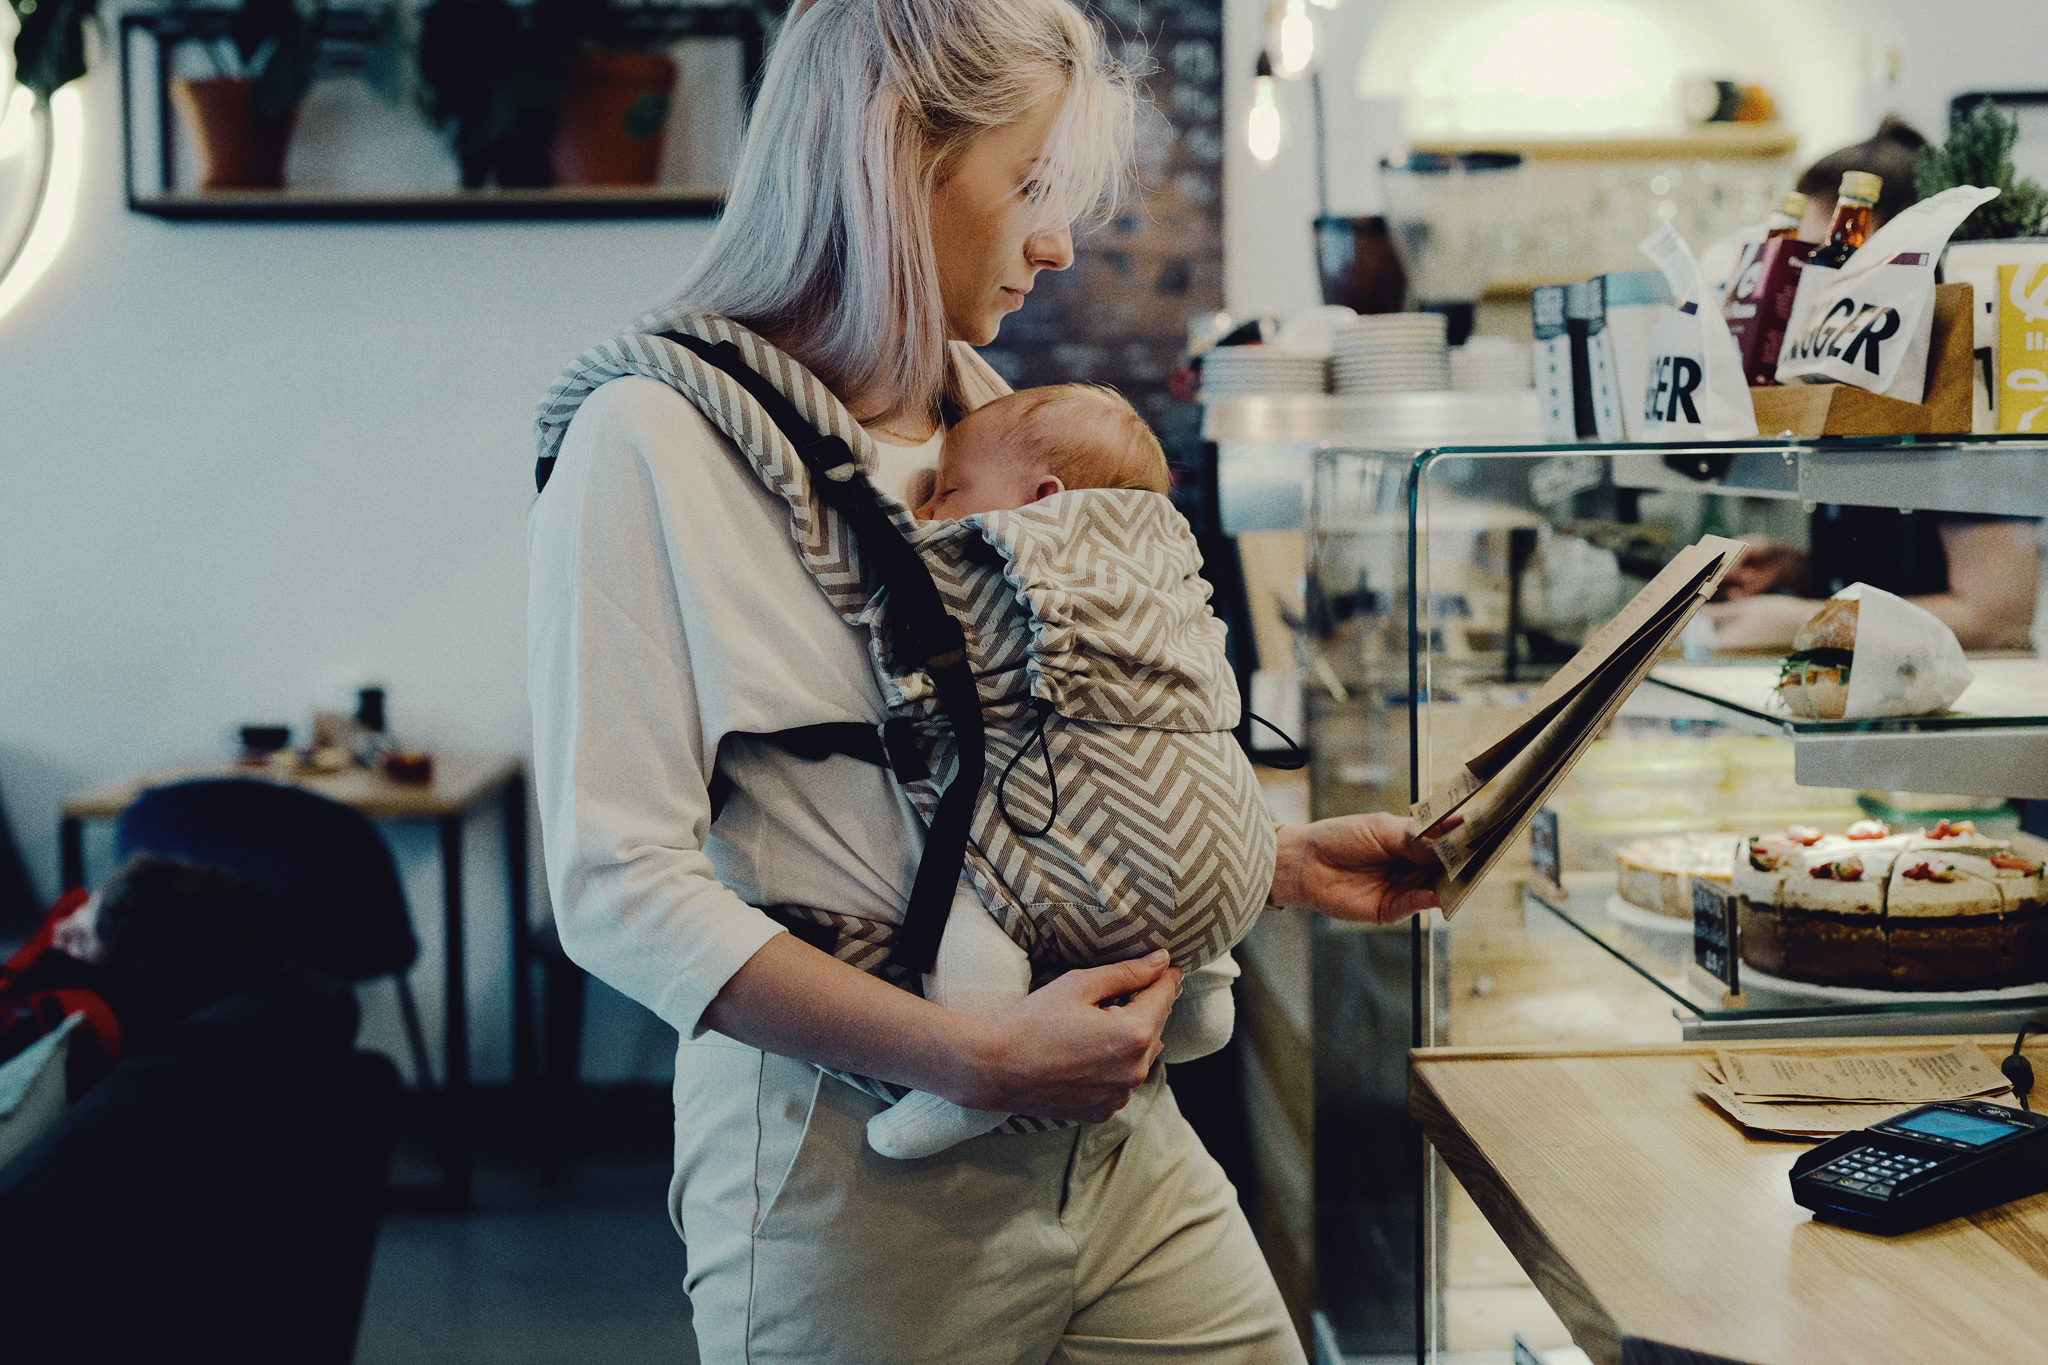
(1046, 487)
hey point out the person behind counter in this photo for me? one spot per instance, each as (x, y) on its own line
(910, 168)
(1979, 574)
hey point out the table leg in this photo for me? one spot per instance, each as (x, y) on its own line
(460, 1151)
(524, 1068)
(71, 845)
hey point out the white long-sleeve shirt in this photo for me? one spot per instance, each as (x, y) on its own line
(669, 617)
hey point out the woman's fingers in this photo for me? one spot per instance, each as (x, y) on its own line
(1079, 1047)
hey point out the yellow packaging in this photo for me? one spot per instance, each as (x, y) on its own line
(2023, 348)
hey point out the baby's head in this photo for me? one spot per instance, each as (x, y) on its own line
(1036, 442)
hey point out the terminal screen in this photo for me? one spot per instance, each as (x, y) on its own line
(1946, 1123)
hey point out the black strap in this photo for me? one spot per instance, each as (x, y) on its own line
(922, 634)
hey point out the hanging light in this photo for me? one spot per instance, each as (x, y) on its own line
(1297, 39)
(1262, 125)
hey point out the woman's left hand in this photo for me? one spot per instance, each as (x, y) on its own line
(1372, 868)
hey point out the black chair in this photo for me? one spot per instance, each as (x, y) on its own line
(324, 863)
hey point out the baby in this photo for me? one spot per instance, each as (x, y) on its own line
(1003, 456)
(1037, 442)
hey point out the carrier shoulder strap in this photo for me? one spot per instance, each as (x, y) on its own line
(922, 634)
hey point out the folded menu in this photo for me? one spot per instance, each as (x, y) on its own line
(1960, 1073)
(1818, 1096)
(1502, 782)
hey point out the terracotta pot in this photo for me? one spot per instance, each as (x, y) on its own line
(614, 107)
(239, 148)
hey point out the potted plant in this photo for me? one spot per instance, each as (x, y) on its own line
(241, 116)
(1979, 152)
(616, 89)
(491, 78)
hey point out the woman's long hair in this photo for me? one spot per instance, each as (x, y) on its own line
(825, 244)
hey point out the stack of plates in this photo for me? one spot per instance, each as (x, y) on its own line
(1492, 363)
(1391, 353)
(1234, 371)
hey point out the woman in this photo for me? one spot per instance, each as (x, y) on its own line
(911, 167)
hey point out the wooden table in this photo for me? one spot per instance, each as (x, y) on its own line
(1662, 1233)
(462, 783)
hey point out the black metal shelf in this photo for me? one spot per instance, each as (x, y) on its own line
(346, 34)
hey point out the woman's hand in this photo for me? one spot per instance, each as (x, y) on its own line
(1372, 868)
(1073, 1049)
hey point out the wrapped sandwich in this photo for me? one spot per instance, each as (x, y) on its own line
(1867, 653)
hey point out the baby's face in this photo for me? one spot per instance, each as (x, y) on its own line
(980, 470)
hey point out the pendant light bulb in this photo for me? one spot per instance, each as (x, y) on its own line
(1297, 39)
(1262, 125)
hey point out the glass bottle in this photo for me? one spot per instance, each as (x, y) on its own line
(1854, 209)
(1786, 219)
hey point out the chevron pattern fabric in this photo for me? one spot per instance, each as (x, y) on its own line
(1101, 672)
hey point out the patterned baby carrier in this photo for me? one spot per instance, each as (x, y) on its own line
(1059, 711)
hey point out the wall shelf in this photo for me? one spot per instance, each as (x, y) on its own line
(149, 40)
(485, 205)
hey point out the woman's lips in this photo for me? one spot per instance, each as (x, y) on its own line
(1015, 296)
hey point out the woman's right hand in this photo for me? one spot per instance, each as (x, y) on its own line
(1075, 1048)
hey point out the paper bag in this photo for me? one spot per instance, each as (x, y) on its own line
(1869, 323)
(1695, 390)
(1907, 660)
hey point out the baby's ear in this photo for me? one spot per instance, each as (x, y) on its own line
(1046, 487)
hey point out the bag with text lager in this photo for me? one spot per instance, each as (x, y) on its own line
(1870, 323)
(1695, 390)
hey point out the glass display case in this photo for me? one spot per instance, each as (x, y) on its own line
(1441, 590)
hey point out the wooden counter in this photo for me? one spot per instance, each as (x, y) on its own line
(1664, 1234)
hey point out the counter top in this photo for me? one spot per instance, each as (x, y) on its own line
(1664, 1234)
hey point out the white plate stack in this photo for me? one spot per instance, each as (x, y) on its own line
(1492, 363)
(1238, 371)
(1391, 353)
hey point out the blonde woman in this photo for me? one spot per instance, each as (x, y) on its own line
(911, 168)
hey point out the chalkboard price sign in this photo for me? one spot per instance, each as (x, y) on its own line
(1713, 933)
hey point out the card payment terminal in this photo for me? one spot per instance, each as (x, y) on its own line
(1936, 1162)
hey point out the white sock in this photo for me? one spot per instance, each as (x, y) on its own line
(922, 1124)
(979, 971)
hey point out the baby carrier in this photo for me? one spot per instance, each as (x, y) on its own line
(1071, 748)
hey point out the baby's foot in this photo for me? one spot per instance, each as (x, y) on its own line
(922, 1124)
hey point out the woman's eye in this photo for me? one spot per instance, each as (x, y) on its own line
(1034, 190)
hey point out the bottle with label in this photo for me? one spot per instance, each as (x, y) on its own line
(1784, 222)
(1855, 207)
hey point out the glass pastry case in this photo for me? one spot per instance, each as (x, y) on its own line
(1440, 590)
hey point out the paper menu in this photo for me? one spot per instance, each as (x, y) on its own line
(1912, 1078)
(1502, 781)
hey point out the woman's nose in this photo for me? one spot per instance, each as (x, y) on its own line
(1050, 250)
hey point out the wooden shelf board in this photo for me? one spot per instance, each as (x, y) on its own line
(1759, 141)
(288, 205)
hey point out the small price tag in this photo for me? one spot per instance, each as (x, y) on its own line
(1713, 934)
(1543, 854)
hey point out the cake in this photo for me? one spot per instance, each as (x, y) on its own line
(1941, 909)
(1657, 874)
